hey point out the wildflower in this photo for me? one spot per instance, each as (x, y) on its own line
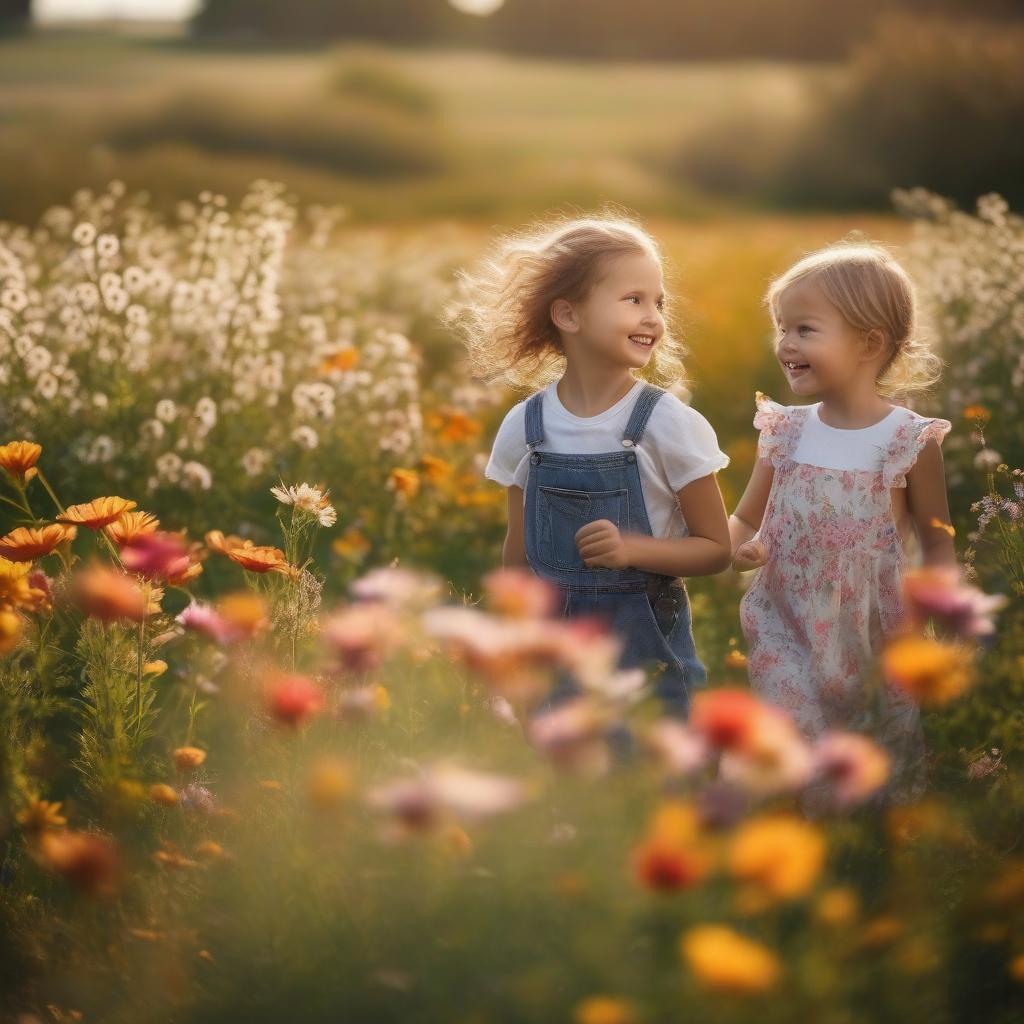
(880, 932)
(397, 587)
(161, 793)
(96, 514)
(40, 815)
(197, 798)
(519, 593)
(837, 907)
(19, 459)
(773, 758)
(27, 543)
(729, 962)
(156, 554)
(604, 1010)
(352, 545)
(12, 626)
(572, 736)
(671, 856)
(726, 718)
(201, 618)
(329, 782)
(930, 671)
(307, 498)
(938, 593)
(305, 437)
(83, 234)
(987, 458)
(130, 526)
(172, 859)
(244, 612)
(187, 759)
(404, 482)
(454, 426)
(108, 595)
(292, 698)
(362, 635)
(977, 412)
(195, 476)
(435, 470)
(154, 668)
(853, 765)
(736, 659)
(210, 850)
(677, 749)
(344, 359)
(88, 861)
(781, 855)
(248, 555)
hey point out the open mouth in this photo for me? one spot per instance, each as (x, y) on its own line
(643, 340)
(796, 367)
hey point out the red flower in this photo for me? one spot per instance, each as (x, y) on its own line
(293, 698)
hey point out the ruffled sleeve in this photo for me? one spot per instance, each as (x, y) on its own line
(775, 423)
(907, 443)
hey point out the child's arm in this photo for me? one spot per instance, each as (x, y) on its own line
(927, 501)
(513, 552)
(746, 520)
(704, 552)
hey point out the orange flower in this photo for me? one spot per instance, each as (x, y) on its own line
(604, 1010)
(727, 718)
(27, 543)
(351, 545)
(96, 514)
(344, 359)
(725, 960)
(161, 793)
(131, 525)
(434, 469)
(453, 425)
(41, 815)
(977, 412)
(108, 595)
(781, 855)
(244, 611)
(19, 459)
(87, 861)
(930, 671)
(248, 555)
(291, 698)
(670, 857)
(404, 482)
(188, 758)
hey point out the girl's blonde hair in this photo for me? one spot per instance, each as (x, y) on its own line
(504, 309)
(872, 291)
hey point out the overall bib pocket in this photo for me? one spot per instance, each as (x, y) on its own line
(562, 511)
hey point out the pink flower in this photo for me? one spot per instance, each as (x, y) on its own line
(155, 554)
(938, 593)
(855, 766)
(362, 635)
(202, 618)
(519, 593)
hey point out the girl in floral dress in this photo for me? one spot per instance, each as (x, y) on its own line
(845, 493)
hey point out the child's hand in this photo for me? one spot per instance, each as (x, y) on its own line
(602, 545)
(749, 555)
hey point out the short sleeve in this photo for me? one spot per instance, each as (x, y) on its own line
(906, 445)
(509, 448)
(775, 424)
(683, 442)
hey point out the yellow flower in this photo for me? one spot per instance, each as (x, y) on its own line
(329, 782)
(96, 514)
(454, 426)
(162, 794)
(351, 545)
(736, 659)
(19, 459)
(837, 906)
(729, 962)
(12, 625)
(782, 856)
(27, 543)
(930, 671)
(404, 482)
(210, 850)
(381, 698)
(188, 758)
(15, 589)
(40, 815)
(244, 611)
(604, 1010)
(154, 668)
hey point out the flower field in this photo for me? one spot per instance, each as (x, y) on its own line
(277, 738)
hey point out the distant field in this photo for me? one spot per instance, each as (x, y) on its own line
(513, 136)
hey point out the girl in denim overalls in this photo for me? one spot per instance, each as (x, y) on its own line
(612, 494)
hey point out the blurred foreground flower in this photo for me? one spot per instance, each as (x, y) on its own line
(108, 595)
(605, 1010)
(362, 635)
(88, 861)
(724, 960)
(930, 671)
(519, 593)
(40, 815)
(292, 698)
(853, 766)
(399, 587)
(156, 555)
(780, 856)
(938, 593)
(672, 855)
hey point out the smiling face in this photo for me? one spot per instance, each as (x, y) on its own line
(821, 353)
(621, 320)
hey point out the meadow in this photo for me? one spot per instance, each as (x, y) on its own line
(274, 729)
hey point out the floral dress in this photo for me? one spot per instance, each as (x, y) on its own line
(830, 592)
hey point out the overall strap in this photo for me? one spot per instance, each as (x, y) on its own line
(642, 410)
(534, 420)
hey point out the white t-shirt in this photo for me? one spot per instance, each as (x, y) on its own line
(678, 447)
(839, 448)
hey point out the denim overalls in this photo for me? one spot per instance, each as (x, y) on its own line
(649, 611)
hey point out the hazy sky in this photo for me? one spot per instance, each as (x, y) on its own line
(48, 10)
